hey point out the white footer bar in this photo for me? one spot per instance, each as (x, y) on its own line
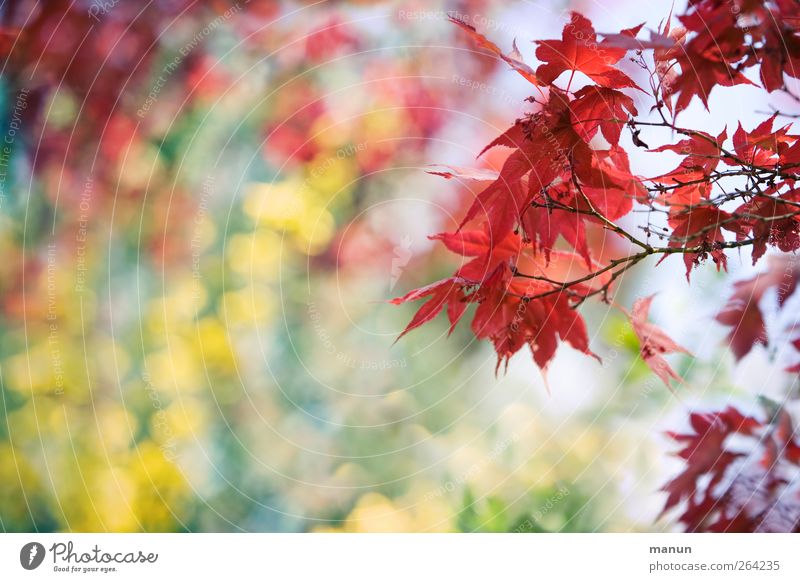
(400, 557)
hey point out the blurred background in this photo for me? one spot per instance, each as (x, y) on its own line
(203, 208)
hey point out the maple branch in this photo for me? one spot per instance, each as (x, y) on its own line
(565, 284)
(755, 174)
(627, 262)
(725, 153)
(614, 276)
(608, 223)
(715, 176)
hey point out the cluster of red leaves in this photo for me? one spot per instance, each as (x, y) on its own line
(515, 272)
(771, 217)
(568, 173)
(722, 38)
(767, 217)
(741, 474)
(511, 312)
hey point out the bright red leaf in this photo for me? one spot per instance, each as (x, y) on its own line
(579, 51)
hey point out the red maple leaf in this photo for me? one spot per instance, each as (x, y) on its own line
(762, 146)
(566, 208)
(514, 137)
(579, 51)
(743, 313)
(513, 314)
(447, 292)
(600, 108)
(704, 453)
(544, 222)
(654, 343)
(710, 56)
(701, 153)
(514, 59)
(487, 254)
(700, 227)
(770, 220)
(504, 199)
(779, 52)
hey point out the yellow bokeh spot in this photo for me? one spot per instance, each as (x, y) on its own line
(278, 204)
(314, 235)
(374, 513)
(384, 124)
(182, 420)
(115, 426)
(113, 492)
(177, 309)
(330, 176)
(256, 255)
(19, 481)
(213, 346)
(254, 305)
(174, 369)
(62, 109)
(53, 366)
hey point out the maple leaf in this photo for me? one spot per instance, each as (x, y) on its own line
(565, 210)
(701, 153)
(487, 254)
(666, 68)
(511, 320)
(689, 182)
(742, 311)
(654, 342)
(770, 220)
(504, 199)
(705, 454)
(710, 57)
(600, 108)
(543, 223)
(447, 292)
(514, 137)
(780, 50)
(762, 146)
(505, 320)
(701, 227)
(513, 59)
(699, 75)
(609, 171)
(532, 166)
(487, 257)
(579, 51)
